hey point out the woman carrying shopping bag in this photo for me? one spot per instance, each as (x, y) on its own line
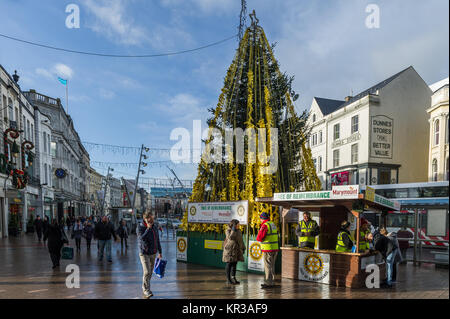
(233, 250)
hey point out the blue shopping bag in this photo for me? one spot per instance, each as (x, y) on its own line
(160, 267)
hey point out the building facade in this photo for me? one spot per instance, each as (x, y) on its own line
(95, 181)
(438, 161)
(69, 158)
(379, 136)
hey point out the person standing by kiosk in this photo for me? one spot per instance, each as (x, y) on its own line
(344, 239)
(307, 230)
(268, 237)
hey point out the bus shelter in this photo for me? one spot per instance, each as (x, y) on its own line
(325, 265)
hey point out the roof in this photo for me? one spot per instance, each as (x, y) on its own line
(438, 85)
(328, 106)
(331, 106)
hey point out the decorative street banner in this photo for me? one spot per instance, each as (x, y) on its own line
(182, 248)
(218, 212)
(337, 192)
(314, 267)
(381, 132)
(255, 256)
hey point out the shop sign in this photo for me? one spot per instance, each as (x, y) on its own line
(255, 256)
(314, 267)
(340, 178)
(182, 248)
(214, 244)
(370, 194)
(395, 205)
(381, 136)
(218, 212)
(352, 138)
(345, 192)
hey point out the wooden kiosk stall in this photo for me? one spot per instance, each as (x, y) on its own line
(325, 265)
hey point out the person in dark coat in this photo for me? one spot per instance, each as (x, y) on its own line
(122, 231)
(233, 250)
(77, 232)
(88, 232)
(45, 225)
(103, 232)
(56, 240)
(38, 227)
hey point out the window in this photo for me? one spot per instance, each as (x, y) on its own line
(314, 117)
(354, 153)
(436, 132)
(315, 163)
(314, 139)
(53, 148)
(45, 174)
(320, 137)
(32, 133)
(24, 128)
(335, 158)
(446, 131)
(336, 132)
(11, 112)
(45, 142)
(319, 163)
(355, 122)
(447, 170)
(434, 169)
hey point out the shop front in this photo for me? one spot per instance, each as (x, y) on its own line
(324, 264)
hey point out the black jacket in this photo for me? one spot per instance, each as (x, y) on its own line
(383, 244)
(38, 224)
(56, 238)
(148, 239)
(104, 231)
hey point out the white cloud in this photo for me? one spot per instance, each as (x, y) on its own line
(112, 22)
(202, 6)
(106, 94)
(63, 71)
(45, 73)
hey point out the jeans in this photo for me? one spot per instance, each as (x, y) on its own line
(101, 248)
(148, 262)
(390, 266)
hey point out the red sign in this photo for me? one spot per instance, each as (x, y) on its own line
(340, 178)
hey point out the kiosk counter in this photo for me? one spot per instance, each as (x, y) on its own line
(330, 208)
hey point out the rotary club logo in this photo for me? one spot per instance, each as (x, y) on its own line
(313, 264)
(181, 245)
(241, 210)
(193, 210)
(255, 251)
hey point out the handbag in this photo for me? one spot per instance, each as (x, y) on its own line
(160, 267)
(67, 253)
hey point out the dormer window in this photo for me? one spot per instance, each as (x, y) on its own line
(314, 118)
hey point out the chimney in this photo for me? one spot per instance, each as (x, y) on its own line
(15, 76)
(347, 98)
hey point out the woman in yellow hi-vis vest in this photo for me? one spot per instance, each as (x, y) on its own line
(344, 240)
(307, 230)
(268, 237)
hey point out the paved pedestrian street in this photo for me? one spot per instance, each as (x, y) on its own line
(25, 272)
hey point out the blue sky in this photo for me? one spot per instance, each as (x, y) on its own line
(324, 44)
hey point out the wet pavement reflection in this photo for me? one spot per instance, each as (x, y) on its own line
(25, 272)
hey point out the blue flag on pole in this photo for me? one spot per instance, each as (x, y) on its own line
(62, 81)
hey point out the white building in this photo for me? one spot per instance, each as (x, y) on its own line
(379, 136)
(438, 162)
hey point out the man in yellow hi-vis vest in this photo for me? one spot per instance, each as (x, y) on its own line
(363, 233)
(306, 231)
(268, 237)
(344, 239)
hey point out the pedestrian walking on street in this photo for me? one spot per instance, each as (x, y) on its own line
(38, 225)
(103, 233)
(388, 250)
(122, 231)
(45, 225)
(149, 245)
(56, 240)
(68, 223)
(233, 250)
(77, 232)
(268, 237)
(398, 256)
(88, 232)
(403, 233)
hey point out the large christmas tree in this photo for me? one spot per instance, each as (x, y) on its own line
(255, 95)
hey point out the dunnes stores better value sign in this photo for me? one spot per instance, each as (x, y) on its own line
(381, 136)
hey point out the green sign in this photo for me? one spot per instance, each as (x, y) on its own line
(386, 202)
